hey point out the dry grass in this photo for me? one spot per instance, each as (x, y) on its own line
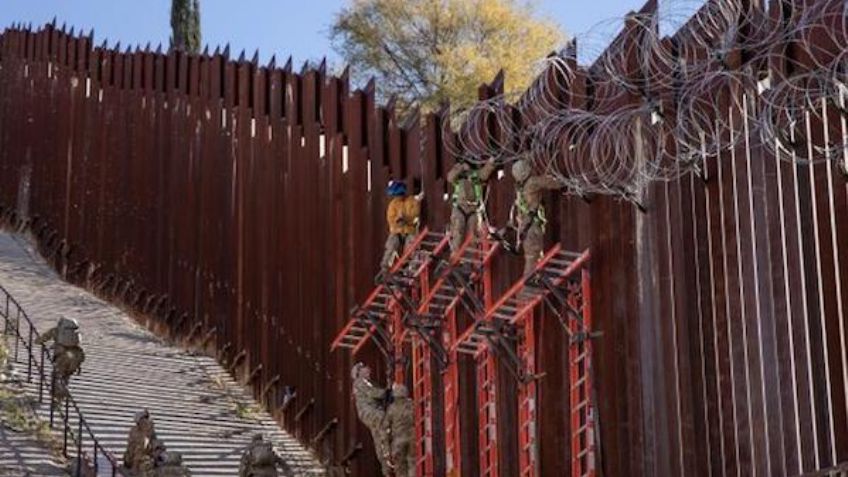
(16, 411)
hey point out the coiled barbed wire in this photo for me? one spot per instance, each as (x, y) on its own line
(803, 119)
(668, 89)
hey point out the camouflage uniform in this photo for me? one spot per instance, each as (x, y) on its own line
(400, 432)
(368, 399)
(528, 211)
(138, 457)
(68, 356)
(467, 199)
(150, 461)
(259, 459)
(170, 464)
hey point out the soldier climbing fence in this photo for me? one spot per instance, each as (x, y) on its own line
(241, 207)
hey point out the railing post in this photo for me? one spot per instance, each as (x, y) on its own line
(52, 397)
(29, 354)
(18, 336)
(65, 427)
(79, 446)
(41, 377)
(6, 315)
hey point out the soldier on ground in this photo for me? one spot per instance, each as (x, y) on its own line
(402, 216)
(468, 199)
(369, 401)
(528, 213)
(170, 464)
(141, 445)
(400, 432)
(68, 355)
(259, 459)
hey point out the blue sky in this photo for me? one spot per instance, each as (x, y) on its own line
(281, 27)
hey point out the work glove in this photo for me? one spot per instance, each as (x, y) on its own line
(354, 373)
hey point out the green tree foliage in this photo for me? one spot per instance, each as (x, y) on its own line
(185, 24)
(427, 52)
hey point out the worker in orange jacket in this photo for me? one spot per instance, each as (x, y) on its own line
(402, 217)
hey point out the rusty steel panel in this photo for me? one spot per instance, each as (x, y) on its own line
(228, 205)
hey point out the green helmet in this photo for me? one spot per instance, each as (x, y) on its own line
(521, 170)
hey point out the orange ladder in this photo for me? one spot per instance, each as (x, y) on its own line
(379, 317)
(437, 314)
(423, 401)
(580, 372)
(528, 457)
(488, 415)
(513, 316)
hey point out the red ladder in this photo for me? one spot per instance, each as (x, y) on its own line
(423, 400)
(422, 391)
(453, 439)
(514, 312)
(580, 371)
(488, 415)
(439, 307)
(376, 317)
(556, 266)
(528, 457)
(382, 319)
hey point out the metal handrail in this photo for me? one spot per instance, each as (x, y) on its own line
(12, 313)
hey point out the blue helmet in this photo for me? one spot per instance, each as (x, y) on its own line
(396, 189)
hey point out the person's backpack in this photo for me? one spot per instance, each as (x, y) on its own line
(262, 455)
(71, 359)
(68, 334)
(168, 458)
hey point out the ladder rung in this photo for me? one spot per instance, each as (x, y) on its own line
(381, 315)
(581, 429)
(504, 316)
(576, 384)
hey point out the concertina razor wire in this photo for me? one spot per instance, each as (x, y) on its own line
(652, 107)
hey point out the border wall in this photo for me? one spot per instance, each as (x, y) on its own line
(241, 207)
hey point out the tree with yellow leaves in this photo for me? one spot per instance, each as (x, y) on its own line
(427, 52)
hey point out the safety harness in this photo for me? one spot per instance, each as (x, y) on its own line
(480, 196)
(537, 215)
